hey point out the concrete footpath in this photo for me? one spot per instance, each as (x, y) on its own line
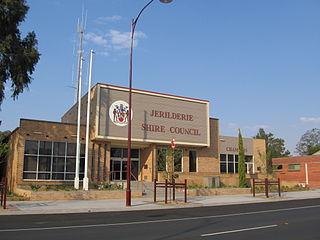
(108, 205)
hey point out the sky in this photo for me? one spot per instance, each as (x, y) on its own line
(257, 62)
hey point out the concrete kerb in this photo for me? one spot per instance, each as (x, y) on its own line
(110, 205)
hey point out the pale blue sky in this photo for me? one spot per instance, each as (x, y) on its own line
(257, 62)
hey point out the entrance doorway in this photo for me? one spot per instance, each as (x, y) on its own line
(118, 164)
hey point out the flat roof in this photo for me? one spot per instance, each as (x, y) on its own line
(153, 93)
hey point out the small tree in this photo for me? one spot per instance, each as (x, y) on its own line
(241, 165)
(167, 162)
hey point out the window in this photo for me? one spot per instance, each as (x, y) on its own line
(223, 163)
(277, 167)
(45, 160)
(229, 163)
(192, 161)
(294, 167)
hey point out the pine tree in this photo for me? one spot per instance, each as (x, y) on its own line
(241, 165)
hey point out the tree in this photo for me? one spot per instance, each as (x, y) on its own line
(4, 150)
(18, 57)
(309, 142)
(168, 162)
(241, 159)
(275, 147)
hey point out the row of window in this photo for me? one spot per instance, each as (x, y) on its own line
(229, 163)
(46, 160)
(291, 167)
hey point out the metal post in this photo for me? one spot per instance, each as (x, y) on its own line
(85, 178)
(166, 192)
(253, 187)
(185, 190)
(173, 190)
(133, 26)
(266, 187)
(279, 189)
(5, 194)
(155, 190)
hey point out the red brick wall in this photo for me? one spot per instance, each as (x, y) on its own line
(313, 166)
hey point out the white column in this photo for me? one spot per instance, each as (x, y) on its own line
(307, 176)
(86, 179)
(76, 179)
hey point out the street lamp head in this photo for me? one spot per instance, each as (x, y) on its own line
(166, 1)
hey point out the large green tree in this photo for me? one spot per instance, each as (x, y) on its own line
(275, 147)
(241, 159)
(309, 142)
(18, 56)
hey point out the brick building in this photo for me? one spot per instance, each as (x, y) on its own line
(44, 152)
(304, 170)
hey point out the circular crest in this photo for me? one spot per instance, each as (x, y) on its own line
(118, 113)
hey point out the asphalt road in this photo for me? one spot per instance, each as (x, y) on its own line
(299, 219)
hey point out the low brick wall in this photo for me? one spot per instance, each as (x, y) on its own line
(74, 195)
(218, 191)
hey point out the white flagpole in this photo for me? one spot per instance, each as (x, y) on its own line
(86, 179)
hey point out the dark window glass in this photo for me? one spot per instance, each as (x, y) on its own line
(236, 169)
(161, 159)
(71, 164)
(192, 161)
(81, 169)
(236, 158)
(248, 158)
(230, 168)
(58, 164)
(134, 153)
(277, 167)
(57, 176)
(116, 152)
(59, 149)
(29, 175)
(44, 164)
(223, 167)
(45, 148)
(223, 157)
(177, 160)
(70, 176)
(82, 150)
(71, 149)
(230, 158)
(45, 176)
(134, 170)
(30, 163)
(31, 147)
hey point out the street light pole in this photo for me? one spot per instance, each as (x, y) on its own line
(133, 26)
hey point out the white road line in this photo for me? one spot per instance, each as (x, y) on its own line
(238, 230)
(155, 221)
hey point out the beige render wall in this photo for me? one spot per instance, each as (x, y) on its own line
(259, 153)
(208, 158)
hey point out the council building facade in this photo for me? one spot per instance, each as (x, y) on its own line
(44, 152)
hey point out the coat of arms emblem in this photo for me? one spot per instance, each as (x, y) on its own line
(118, 113)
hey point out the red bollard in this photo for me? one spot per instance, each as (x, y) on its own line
(173, 190)
(155, 190)
(185, 190)
(266, 187)
(166, 192)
